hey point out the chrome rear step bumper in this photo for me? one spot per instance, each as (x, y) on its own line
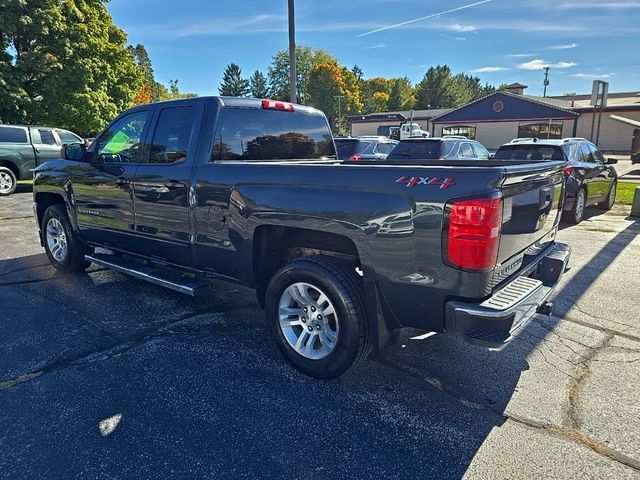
(494, 322)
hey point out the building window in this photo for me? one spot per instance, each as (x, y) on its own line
(540, 130)
(468, 131)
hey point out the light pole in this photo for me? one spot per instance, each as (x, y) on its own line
(292, 53)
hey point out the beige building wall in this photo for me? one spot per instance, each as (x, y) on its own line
(614, 136)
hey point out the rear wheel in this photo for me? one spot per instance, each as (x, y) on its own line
(611, 198)
(316, 315)
(61, 242)
(576, 214)
(8, 181)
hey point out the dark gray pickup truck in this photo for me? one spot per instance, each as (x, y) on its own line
(341, 254)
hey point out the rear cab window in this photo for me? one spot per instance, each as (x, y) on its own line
(13, 135)
(263, 134)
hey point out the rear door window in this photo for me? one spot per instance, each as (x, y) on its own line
(481, 152)
(13, 135)
(586, 155)
(47, 137)
(172, 135)
(385, 148)
(466, 151)
(417, 149)
(262, 134)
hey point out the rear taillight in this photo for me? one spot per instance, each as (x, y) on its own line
(568, 171)
(277, 105)
(473, 233)
(355, 157)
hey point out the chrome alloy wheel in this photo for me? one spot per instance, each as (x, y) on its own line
(6, 182)
(57, 239)
(308, 320)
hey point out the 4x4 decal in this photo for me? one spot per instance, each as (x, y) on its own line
(413, 181)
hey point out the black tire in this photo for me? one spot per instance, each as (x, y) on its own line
(611, 197)
(344, 290)
(73, 260)
(575, 215)
(8, 180)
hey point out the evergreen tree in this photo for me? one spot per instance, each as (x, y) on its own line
(233, 85)
(258, 85)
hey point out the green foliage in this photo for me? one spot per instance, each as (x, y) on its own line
(175, 93)
(401, 95)
(278, 72)
(233, 85)
(440, 89)
(375, 94)
(63, 63)
(334, 90)
(258, 85)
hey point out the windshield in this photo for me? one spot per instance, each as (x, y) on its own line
(529, 152)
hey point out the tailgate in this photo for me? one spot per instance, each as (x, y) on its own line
(532, 196)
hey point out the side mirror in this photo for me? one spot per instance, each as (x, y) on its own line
(612, 161)
(74, 151)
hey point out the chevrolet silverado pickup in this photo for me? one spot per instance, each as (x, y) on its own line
(341, 254)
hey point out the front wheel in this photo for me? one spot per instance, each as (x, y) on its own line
(61, 242)
(316, 314)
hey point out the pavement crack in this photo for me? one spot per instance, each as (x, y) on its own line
(117, 348)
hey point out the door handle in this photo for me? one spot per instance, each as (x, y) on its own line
(121, 181)
(174, 185)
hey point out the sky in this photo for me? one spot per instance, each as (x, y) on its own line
(500, 41)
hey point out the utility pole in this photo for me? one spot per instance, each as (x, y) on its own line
(339, 98)
(546, 80)
(292, 54)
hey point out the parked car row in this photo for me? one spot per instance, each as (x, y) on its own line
(590, 177)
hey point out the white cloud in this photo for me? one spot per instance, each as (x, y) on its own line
(540, 64)
(456, 27)
(598, 5)
(377, 45)
(593, 75)
(489, 69)
(565, 46)
(521, 55)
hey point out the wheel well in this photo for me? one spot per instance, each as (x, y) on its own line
(44, 200)
(273, 246)
(11, 166)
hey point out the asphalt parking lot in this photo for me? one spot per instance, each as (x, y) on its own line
(201, 392)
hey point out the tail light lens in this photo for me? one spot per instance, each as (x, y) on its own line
(355, 157)
(474, 233)
(568, 171)
(277, 105)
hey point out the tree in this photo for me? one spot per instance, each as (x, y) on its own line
(334, 90)
(63, 63)
(258, 85)
(401, 95)
(370, 90)
(175, 93)
(357, 71)
(233, 85)
(433, 91)
(278, 71)
(143, 95)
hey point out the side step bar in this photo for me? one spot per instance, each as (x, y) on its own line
(163, 276)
